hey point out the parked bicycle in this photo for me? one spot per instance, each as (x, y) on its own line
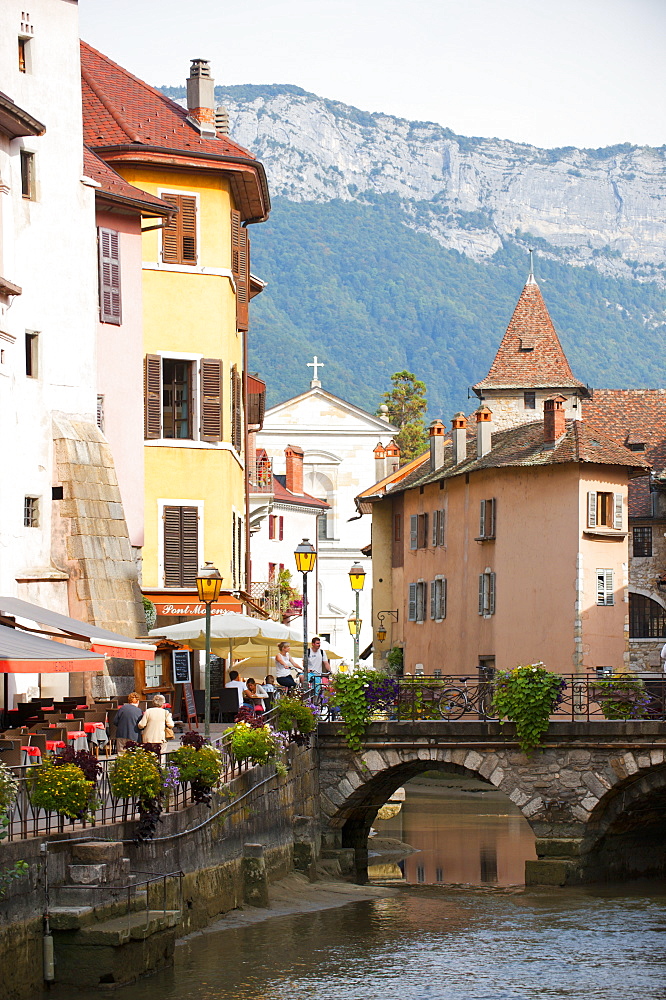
(455, 701)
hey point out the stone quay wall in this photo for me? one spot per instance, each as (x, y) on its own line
(208, 845)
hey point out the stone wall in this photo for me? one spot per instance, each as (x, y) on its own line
(643, 574)
(208, 845)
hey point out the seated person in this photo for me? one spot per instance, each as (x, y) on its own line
(234, 682)
(254, 695)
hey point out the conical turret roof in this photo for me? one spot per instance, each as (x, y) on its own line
(530, 355)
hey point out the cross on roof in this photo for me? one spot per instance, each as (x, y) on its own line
(315, 364)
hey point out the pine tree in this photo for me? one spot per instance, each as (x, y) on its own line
(407, 404)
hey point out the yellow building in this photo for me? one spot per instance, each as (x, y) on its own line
(196, 291)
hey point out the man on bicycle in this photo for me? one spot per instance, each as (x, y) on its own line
(317, 664)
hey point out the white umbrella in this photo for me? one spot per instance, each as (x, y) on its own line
(228, 626)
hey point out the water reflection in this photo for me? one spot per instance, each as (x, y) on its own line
(464, 831)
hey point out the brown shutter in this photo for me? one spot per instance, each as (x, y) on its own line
(181, 546)
(109, 276)
(170, 233)
(211, 400)
(240, 268)
(179, 235)
(236, 410)
(152, 395)
(188, 223)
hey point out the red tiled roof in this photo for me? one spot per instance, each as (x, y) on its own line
(125, 118)
(530, 355)
(280, 492)
(635, 416)
(116, 189)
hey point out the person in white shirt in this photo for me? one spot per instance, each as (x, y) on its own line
(234, 682)
(663, 657)
(317, 663)
(283, 666)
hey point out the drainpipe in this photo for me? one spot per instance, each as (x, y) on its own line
(246, 476)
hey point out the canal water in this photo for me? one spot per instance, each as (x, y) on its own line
(459, 927)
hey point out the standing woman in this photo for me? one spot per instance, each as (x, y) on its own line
(283, 665)
(155, 722)
(127, 721)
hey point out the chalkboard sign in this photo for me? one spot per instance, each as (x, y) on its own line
(190, 705)
(182, 666)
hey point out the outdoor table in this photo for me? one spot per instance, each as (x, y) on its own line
(53, 745)
(98, 733)
(31, 755)
(79, 739)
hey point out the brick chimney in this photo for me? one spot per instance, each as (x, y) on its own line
(294, 477)
(459, 435)
(484, 431)
(436, 433)
(392, 458)
(380, 461)
(554, 422)
(201, 96)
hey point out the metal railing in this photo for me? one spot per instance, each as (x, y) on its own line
(261, 476)
(582, 699)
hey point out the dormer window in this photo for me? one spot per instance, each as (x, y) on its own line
(635, 441)
(529, 400)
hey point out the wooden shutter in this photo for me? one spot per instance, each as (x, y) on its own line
(211, 400)
(443, 600)
(617, 511)
(435, 524)
(240, 268)
(420, 601)
(442, 527)
(482, 592)
(179, 235)
(413, 531)
(281, 532)
(271, 526)
(490, 518)
(152, 396)
(482, 519)
(411, 611)
(181, 546)
(592, 509)
(236, 410)
(433, 600)
(491, 593)
(422, 539)
(109, 276)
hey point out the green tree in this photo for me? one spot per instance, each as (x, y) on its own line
(407, 405)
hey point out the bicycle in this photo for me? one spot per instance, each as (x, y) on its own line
(453, 702)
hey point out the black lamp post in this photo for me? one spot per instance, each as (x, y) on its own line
(305, 556)
(209, 584)
(356, 579)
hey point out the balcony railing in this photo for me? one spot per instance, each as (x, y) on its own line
(261, 476)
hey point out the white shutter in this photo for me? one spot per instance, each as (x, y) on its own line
(482, 520)
(413, 531)
(617, 511)
(433, 600)
(482, 592)
(109, 276)
(442, 526)
(491, 593)
(609, 586)
(411, 612)
(592, 509)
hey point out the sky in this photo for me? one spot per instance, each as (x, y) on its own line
(584, 73)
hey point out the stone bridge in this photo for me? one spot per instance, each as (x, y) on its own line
(595, 795)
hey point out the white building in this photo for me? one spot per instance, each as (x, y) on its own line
(338, 441)
(59, 493)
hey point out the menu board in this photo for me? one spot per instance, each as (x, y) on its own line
(190, 704)
(182, 666)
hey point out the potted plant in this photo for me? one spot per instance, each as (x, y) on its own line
(199, 763)
(61, 788)
(295, 716)
(137, 775)
(527, 696)
(621, 696)
(259, 744)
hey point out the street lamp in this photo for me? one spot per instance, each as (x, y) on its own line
(305, 557)
(381, 628)
(356, 579)
(209, 584)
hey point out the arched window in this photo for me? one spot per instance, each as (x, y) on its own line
(647, 619)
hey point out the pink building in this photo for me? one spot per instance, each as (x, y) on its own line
(510, 545)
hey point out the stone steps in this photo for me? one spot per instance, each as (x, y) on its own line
(133, 927)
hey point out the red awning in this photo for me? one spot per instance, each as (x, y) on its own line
(24, 653)
(102, 641)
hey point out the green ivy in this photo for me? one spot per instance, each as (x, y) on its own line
(395, 660)
(8, 793)
(527, 696)
(349, 697)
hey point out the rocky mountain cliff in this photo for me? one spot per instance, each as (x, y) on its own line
(399, 244)
(600, 206)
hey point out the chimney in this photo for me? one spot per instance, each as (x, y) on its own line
(222, 119)
(554, 424)
(201, 96)
(484, 427)
(380, 462)
(436, 433)
(392, 458)
(459, 435)
(294, 477)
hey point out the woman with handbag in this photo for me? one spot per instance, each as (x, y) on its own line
(156, 723)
